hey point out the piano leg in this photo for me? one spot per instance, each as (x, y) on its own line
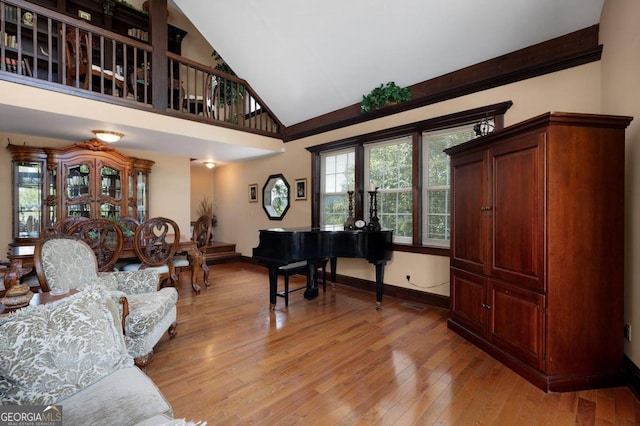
(333, 261)
(273, 286)
(379, 284)
(312, 281)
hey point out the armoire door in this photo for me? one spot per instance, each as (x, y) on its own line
(469, 200)
(517, 177)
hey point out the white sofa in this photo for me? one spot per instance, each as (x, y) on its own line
(72, 353)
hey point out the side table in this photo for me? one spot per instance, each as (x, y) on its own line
(39, 299)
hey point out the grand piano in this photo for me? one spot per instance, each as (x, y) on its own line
(281, 246)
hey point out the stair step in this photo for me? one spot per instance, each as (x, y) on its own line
(220, 252)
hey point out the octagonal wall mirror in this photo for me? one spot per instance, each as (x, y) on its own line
(276, 197)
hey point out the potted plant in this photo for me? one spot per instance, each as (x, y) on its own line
(385, 94)
(206, 208)
(228, 91)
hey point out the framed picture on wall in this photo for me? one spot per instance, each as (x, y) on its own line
(253, 193)
(301, 189)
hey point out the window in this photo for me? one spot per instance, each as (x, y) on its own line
(410, 169)
(435, 186)
(388, 166)
(338, 175)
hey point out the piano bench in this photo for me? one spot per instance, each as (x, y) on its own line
(300, 268)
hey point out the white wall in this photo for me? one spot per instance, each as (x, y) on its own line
(573, 90)
(621, 95)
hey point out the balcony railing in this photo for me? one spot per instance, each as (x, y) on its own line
(47, 49)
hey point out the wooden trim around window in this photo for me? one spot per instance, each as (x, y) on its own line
(495, 111)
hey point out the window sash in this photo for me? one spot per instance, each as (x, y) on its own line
(337, 176)
(436, 195)
(395, 183)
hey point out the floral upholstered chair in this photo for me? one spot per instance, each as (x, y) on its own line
(65, 263)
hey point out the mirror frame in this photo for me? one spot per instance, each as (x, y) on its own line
(266, 196)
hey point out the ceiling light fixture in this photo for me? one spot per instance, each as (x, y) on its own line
(210, 164)
(108, 136)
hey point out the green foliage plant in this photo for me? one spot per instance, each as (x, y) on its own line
(229, 91)
(384, 94)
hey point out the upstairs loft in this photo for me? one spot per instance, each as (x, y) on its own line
(113, 56)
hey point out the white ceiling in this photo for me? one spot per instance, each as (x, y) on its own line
(305, 59)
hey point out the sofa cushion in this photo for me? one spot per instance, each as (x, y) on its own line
(147, 310)
(53, 350)
(125, 397)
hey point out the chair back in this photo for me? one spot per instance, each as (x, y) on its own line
(104, 237)
(63, 263)
(62, 226)
(75, 55)
(156, 241)
(202, 231)
(128, 225)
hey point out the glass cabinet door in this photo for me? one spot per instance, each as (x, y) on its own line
(28, 201)
(142, 196)
(111, 192)
(78, 190)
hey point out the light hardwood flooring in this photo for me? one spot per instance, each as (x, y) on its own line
(336, 360)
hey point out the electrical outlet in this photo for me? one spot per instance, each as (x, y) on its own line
(408, 278)
(627, 332)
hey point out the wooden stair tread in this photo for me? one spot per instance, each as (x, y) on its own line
(218, 251)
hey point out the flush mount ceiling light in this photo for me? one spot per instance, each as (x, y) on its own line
(108, 136)
(210, 164)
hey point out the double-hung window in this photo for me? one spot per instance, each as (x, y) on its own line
(411, 171)
(388, 167)
(338, 176)
(436, 210)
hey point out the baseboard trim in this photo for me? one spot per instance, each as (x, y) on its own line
(410, 295)
(633, 376)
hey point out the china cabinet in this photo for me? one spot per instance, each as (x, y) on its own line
(537, 248)
(89, 179)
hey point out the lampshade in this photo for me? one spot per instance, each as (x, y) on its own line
(108, 136)
(210, 164)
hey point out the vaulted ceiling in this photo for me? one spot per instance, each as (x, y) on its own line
(306, 59)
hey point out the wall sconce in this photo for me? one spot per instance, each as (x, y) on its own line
(210, 164)
(107, 135)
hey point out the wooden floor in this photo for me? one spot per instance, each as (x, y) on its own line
(336, 360)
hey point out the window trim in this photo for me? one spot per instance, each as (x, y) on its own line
(414, 130)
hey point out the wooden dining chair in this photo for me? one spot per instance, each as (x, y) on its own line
(129, 225)
(104, 237)
(79, 66)
(201, 234)
(155, 243)
(63, 225)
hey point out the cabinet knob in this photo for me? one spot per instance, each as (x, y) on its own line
(484, 305)
(485, 208)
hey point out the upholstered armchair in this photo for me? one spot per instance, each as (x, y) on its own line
(65, 263)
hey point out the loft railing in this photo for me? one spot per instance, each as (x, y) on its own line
(47, 49)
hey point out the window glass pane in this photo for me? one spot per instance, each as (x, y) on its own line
(335, 209)
(389, 167)
(436, 181)
(438, 225)
(338, 176)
